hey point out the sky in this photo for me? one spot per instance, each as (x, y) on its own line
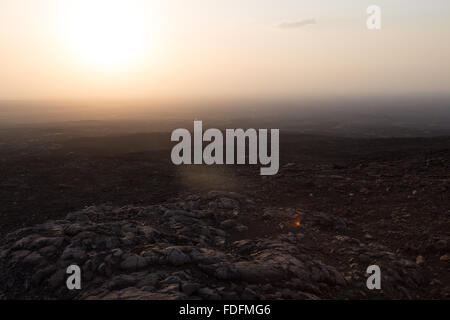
(194, 49)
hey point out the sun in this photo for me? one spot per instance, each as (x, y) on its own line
(109, 33)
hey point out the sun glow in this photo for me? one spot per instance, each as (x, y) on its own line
(110, 33)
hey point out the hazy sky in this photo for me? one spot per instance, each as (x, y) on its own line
(183, 49)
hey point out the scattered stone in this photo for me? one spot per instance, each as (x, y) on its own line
(177, 257)
(133, 262)
(190, 288)
(420, 260)
(73, 253)
(241, 228)
(228, 224)
(33, 259)
(445, 257)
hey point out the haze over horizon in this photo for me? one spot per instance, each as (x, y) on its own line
(221, 50)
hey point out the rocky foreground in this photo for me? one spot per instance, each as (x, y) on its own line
(212, 246)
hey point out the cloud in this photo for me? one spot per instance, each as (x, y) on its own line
(295, 24)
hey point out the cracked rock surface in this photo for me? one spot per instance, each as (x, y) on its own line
(217, 245)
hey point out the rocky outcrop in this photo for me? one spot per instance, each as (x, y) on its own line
(212, 246)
